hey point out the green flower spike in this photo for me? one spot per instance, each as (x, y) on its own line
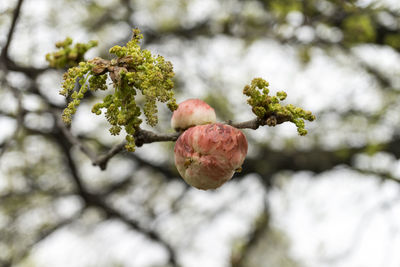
(132, 71)
(269, 109)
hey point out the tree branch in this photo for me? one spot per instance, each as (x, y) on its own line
(270, 120)
(152, 235)
(66, 139)
(5, 60)
(103, 159)
(17, 11)
(146, 137)
(32, 72)
(261, 224)
(40, 237)
(316, 160)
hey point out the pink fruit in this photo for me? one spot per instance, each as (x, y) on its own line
(207, 156)
(192, 112)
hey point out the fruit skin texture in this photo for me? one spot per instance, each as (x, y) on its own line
(207, 156)
(192, 112)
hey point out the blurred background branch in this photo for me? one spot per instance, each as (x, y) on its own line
(338, 59)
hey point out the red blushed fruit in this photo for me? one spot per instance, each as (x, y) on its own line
(207, 156)
(192, 112)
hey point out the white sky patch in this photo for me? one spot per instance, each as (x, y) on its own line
(108, 243)
(50, 84)
(8, 127)
(339, 219)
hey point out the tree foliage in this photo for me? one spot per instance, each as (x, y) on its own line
(47, 161)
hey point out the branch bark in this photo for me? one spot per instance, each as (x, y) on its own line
(146, 137)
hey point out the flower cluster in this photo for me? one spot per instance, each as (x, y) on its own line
(133, 71)
(68, 56)
(269, 109)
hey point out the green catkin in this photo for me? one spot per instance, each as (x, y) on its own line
(133, 70)
(264, 105)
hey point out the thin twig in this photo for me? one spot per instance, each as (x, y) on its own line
(251, 124)
(103, 159)
(147, 137)
(143, 137)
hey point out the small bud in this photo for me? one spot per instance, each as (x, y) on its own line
(207, 156)
(192, 112)
(271, 121)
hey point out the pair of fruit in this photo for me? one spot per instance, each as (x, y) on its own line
(207, 153)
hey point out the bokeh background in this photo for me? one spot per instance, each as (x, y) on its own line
(330, 198)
